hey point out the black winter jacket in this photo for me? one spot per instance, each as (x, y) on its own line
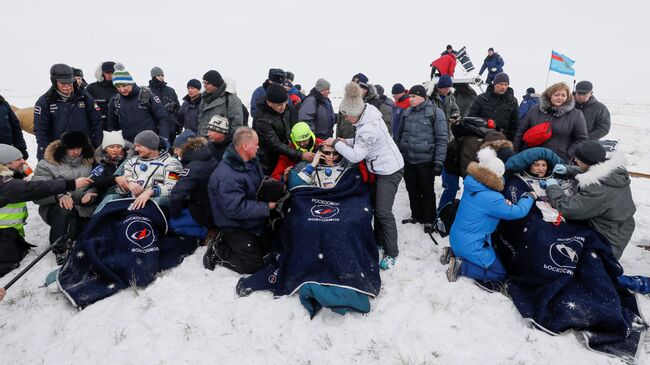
(274, 130)
(10, 131)
(15, 190)
(135, 117)
(53, 116)
(503, 109)
(188, 114)
(191, 191)
(102, 92)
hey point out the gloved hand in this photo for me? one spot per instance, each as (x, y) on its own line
(559, 169)
(493, 69)
(437, 168)
(529, 194)
(551, 181)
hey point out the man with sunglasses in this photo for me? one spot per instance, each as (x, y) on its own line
(596, 113)
(273, 123)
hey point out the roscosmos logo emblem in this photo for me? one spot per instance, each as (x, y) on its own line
(324, 211)
(140, 233)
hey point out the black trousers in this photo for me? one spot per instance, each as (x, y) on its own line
(419, 185)
(61, 219)
(241, 251)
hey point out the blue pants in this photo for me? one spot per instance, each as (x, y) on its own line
(184, 225)
(495, 272)
(451, 184)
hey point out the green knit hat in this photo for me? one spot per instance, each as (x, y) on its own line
(122, 76)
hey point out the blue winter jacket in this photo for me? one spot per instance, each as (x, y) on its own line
(53, 116)
(134, 117)
(490, 62)
(316, 110)
(478, 215)
(10, 131)
(529, 101)
(260, 92)
(233, 191)
(419, 140)
(188, 115)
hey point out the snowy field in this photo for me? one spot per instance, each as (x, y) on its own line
(191, 315)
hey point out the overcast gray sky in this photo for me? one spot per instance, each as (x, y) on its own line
(390, 41)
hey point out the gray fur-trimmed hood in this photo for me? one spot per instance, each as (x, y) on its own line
(546, 106)
(612, 172)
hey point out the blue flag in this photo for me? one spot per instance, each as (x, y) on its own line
(562, 64)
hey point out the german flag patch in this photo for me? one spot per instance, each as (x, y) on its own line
(173, 175)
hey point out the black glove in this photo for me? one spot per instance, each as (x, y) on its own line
(437, 168)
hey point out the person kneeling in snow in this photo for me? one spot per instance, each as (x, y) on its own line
(479, 212)
(604, 197)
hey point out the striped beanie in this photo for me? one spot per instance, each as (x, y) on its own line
(121, 76)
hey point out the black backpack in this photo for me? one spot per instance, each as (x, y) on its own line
(446, 217)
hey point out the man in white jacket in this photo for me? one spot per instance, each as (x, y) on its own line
(372, 142)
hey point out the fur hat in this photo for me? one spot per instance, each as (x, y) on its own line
(276, 94)
(591, 153)
(148, 139)
(352, 103)
(321, 85)
(156, 71)
(487, 159)
(219, 124)
(277, 75)
(70, 140)
(61, 73)
(584, 87)
(9, 153)
(530, 90)
(112, 138)
(121, 75)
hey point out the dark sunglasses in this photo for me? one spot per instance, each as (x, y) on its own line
(329, 153)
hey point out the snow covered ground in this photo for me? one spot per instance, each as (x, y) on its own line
(191, 315)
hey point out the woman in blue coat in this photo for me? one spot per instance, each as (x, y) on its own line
(479, 212)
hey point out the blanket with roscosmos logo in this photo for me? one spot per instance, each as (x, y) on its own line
(563, 277)
(326, 238)
(119, 248)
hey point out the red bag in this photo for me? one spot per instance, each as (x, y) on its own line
(537, 135)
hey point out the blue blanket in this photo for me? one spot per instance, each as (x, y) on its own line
(326, 238)
(120, 248)
(564, 277)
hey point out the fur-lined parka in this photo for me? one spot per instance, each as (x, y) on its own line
(56, 165)
(604, 199)
(568, 123)
(481, 208)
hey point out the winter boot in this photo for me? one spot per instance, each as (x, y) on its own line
(410, 221)
(447, 254)
(387, 262)
(211, 256)
(453, 272)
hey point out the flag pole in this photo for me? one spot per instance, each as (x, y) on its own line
(549, 70)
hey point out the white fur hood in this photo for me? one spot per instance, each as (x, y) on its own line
(612, 172)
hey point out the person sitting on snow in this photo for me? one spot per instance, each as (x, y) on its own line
(604, 198)
(152, 173)
(481, 208)
(324, 172)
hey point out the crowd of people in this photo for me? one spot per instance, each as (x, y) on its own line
(205, 162)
